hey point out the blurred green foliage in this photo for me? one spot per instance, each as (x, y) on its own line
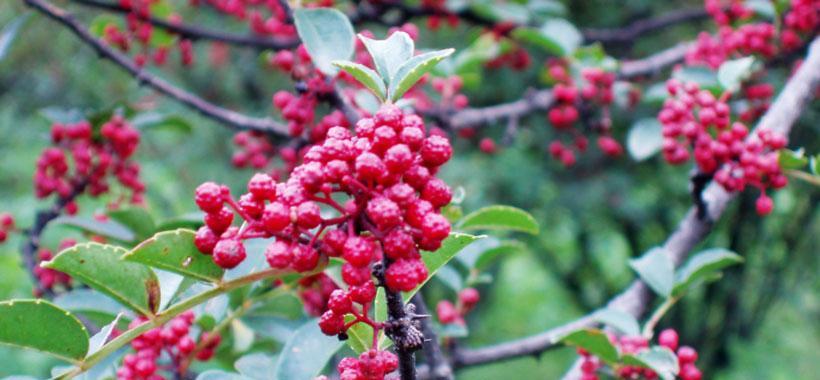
(759, 322)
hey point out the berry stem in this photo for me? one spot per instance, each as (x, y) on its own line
(649, 326)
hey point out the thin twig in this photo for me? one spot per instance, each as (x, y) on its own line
(230, 118)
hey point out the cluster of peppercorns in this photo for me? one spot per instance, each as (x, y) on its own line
(315, 292)
(633, 344)
(49, 279)
(173, 342)
(392, 211)
(140, 31)
(450, 90)
(725, 12)
(93, 159)
(449, 314)
(758, 97)
(800, 21)
(596, 90)
(439, 13)
(694, 118)
(267, 18)
(6, 226)
(516, 58)
(254, 150)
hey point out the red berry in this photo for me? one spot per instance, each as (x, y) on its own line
(278, 254)
(384, 212)
(669, 339)
(364, 293)
(229, 253)
(205, 240)
(764, 205)
(446, 312)
(262, 186)
(435, 151)
(340, 302)
(331, 323)
(359, 251)
(276, 217)
(469, 297)
(219, 221)
(687, 355)
(209, 197)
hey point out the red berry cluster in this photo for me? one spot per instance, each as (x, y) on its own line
(94, 158)
(6, 226)
(50, 279)
(441, 13)
(267, 18)
(315, 292)
(633, 344)
(695, 118)
(139, 31)
(597, 90)
(371, 365)
(449, 313)
(725, 12)
(174, 341)
(800, 21)
(516, 58)
(254, 150)
(758, 97)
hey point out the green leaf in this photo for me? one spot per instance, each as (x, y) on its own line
(42, 326)
(175, 251)
(504, 218)
(99, 266)
(360, 335)
(557, 36)
(483, 49)
(257, 366)
(215, 374)
(106, 228)
(191, 221)
(703, 265)
(731, 74)
(814, 165)
(9, 33)
(135, 219)
(595, 342)
(412, 70)
(98, 340)
(792, 159)
(98, 24)
(155, 120)
(365, 76)
(621, 321)
(644, 139)
(660, 359)
(243, 336)
(657, 270)
(703, 76)
(435, 260)
(306, 353)
(389, 54)
(327, 35)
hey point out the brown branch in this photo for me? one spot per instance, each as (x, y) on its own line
(438, 368)
(235, 120)
(196, 33)
(641, 27)
(799, 90)
(542, 100)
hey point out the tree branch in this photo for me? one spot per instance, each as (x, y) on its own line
(799, 90)
(235, 120)
(196, 33)
(437, 364)
(641, 27)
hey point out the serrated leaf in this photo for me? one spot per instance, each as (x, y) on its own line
(731, 74)
(644, 139)
(389, 54)
(660, 359)
(657, 270)
(175, 251)
(621, 321)
(306, 353)
(105, 228)
(327, 35)
(365, 76)
(99, 266)
(504, 218)
(42, 326)
(595, 342)
(9, 33)
(792, 159)
(435, 260)
(557, 36)
(412, 70)
(135, 219)
(702, 265)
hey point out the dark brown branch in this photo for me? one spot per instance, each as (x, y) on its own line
(196, 33)
(235, 120)
(31, 245)
(541, 100)
(780, 118)
(437, 364)
(639, 28)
